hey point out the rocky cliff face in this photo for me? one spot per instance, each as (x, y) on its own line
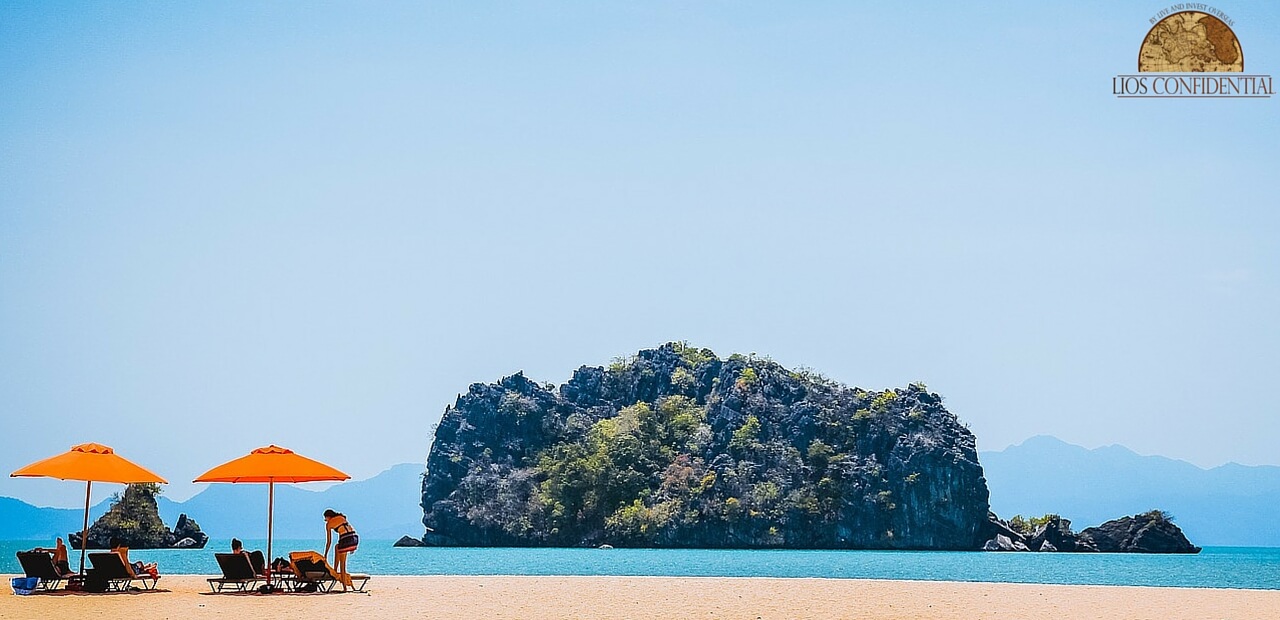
(134, 520)
(676, 447)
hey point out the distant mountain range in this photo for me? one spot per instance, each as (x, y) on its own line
(22, 521)
(382, 507)
(1231, 505)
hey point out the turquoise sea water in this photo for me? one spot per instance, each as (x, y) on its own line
(1215, 567)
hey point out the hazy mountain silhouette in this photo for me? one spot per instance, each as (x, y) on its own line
(22, 521)
(382, 507)
(1227, 505)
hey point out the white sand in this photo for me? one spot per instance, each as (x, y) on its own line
(656, 597)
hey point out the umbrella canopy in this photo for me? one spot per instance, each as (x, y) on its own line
(270, 465)
(90, 462)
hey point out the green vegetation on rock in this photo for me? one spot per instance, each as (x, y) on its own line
(1028, 525)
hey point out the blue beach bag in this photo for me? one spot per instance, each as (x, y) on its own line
(23, 586)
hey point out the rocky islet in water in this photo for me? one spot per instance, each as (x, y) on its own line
(134, 520)
(675, 447)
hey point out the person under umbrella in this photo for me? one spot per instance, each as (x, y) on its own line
(90, 462)
(272, 464)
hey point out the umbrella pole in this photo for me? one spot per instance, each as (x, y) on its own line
(271, 502)
(84, 534)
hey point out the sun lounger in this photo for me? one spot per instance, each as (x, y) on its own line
(310, 568)
(237, 573)
(110, 567)
(40, 564)
(258, 561)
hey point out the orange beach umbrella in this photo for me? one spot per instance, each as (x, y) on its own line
(272, 464)
(90, 462)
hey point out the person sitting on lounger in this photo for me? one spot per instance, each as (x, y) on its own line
(59, 553)
(347, 543)
(139, 567)
(256, 559)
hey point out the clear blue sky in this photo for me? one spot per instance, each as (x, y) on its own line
(224, 225)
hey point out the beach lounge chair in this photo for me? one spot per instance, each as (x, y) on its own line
(311, 568)
(40, 564)
(110, 567)
(258, 561)
(237, 572)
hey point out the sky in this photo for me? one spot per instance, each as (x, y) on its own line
(224, 225)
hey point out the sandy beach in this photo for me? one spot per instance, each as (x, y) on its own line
(658, 597)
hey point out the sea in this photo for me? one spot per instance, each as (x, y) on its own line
(1214, 567)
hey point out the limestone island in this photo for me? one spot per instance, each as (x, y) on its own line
(675, 447)
(134, 521)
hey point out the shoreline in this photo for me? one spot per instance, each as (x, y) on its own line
(186, 576)
(539, 597)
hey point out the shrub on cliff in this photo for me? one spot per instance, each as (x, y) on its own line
(1028, 525)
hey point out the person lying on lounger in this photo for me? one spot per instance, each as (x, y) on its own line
(138, 567)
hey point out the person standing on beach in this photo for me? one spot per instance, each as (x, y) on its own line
(347, 543)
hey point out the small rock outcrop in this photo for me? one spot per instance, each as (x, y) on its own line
(1055, 535)
(408, 541)
(1004, 543)
(1149, 532)
(675, 447)
(186, 534)
(996, 527)
(134, 521)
